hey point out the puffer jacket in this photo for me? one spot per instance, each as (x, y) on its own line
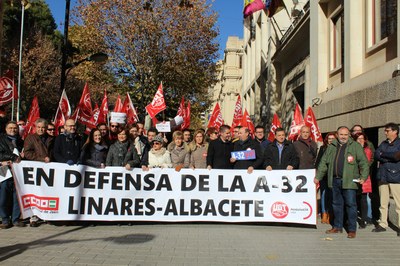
(389, 164)
(160, 158)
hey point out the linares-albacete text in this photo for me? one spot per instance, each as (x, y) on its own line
(147, 206)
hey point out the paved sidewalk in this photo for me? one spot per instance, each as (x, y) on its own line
(194, 244)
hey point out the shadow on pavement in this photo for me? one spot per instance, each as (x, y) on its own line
(17, 249)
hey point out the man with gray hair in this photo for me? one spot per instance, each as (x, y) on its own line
(67, 146)
(38, 147)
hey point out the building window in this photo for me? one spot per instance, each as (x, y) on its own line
(240, 62)
(337, 40)
(381, 20)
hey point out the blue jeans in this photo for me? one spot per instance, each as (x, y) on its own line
(341, 198)
(9, 202)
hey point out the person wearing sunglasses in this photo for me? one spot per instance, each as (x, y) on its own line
(51, 129)
(158, 155)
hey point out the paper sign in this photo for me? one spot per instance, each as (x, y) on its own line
(243, 155)
(164, 127)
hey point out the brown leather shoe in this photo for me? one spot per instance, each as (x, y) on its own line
(351, 235)
(334, 231)
(5, 226)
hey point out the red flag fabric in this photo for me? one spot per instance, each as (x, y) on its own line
(186, 120)
(129, 109)
(182, 112)
(118, 105)
(216, 118)
(59, 120)
(158, 103)
(8, 89)
(33, 115)
(246, 122)
(275, 124)
(92, 123)
(297, 123)
(84, 111)
(103, 110)
(311, 122)
(64, 105)
(238, 114)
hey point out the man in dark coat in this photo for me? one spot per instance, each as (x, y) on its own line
(219, 150)
(67, 146)
(388, 156)
(246, 143)
(10, 147)
(306, 149)
(280, 154)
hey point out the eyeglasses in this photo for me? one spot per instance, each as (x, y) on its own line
(50, 129)
(114, 126)
(156, 143)
(259, 132)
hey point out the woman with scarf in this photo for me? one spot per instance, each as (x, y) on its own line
(94, 151)
(123, 152)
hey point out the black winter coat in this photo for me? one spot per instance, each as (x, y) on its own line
(289, 156)
(67, 147)
(94, 155)
(7, 148)
(219, 154)
(248, 144)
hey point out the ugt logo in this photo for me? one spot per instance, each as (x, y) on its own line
(42, 203)
(279, 210)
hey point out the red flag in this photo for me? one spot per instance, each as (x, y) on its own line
(216, 118)
(275, 124)
(8, 89)
(103, 110)
(297, 123)
(83, 112)
(182, 112)
(238, 114)
(59, 121)
(92, 123)
(64, 105)
(118, 105)
(129, 109)
(33, 115)
(246, 122)
(158, 103)
(186, 120)
(311, 122)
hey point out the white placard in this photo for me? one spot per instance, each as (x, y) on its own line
(164, 127)
(119, 118)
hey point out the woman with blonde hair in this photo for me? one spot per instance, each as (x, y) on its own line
(198, 148)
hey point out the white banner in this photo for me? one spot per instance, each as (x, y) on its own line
(56, 191)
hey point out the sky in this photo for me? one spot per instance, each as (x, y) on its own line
(230, 21)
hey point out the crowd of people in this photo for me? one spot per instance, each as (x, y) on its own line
(343, 163)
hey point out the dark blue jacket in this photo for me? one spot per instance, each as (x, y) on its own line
(389, 164)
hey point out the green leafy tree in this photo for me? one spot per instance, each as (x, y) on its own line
(154, 41)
